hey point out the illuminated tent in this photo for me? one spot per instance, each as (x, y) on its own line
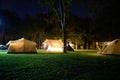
(112, 47)
(22, 46)
(53, 45)
(3, 47)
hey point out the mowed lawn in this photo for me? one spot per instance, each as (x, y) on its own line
(78, 65)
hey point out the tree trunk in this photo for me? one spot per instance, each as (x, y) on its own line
(76, 46)
(39, 41)
(64, 39)
(34, 36)
(85, 44)
(93, 44)
(89, 44)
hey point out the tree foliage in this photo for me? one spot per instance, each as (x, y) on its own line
(104, 21)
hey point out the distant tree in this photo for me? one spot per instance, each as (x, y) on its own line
(60, 8)
(53, 26)
(73, 29)
(107, 20)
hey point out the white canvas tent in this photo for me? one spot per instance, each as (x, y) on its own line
(53, 45)
(22, 46)
(112, 47)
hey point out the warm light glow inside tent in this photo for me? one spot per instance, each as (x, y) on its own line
(53, 45)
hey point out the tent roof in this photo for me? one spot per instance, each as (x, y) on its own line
(19, 40)
(54, 43)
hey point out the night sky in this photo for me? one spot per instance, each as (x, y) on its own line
(31, 7)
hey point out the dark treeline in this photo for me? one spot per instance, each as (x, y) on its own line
(80, 31)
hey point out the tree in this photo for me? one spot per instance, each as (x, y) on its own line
(60, 8)
(107, 20)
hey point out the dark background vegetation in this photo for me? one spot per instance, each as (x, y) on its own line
(102, 26)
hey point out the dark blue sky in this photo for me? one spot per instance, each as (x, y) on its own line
(31, 7)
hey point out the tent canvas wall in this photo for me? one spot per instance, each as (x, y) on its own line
(53, 45)
(22, 45)
(112, 48)
(102, 45)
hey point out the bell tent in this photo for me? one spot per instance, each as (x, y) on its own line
(22, 46)
(53, 45)
(112, 48)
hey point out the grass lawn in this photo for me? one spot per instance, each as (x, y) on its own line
(78, 65)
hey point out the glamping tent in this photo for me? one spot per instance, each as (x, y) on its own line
(112, 47)
(3, 47)
(21, 45)
(53, 45)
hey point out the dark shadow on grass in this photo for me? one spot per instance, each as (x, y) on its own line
(116, 55)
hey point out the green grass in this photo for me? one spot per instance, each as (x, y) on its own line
(78, 65)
